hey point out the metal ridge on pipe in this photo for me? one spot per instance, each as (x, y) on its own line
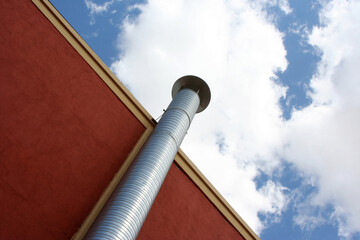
(127, 208)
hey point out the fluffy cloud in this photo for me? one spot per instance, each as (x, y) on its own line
(233, 47)
(97, 8)
(283, 5)
(324, 138)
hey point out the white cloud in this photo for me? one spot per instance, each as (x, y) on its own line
(97, 8)
(324, 138)
(233, 47)
(283, 5)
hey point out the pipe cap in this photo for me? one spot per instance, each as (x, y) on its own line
(196, 84)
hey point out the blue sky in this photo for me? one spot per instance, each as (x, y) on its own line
(282, 143)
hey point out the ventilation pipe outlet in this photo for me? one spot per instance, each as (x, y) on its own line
(126, 210)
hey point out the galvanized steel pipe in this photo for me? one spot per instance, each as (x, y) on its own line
(129, 204)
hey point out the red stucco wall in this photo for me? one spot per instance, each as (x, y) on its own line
(63, 133)
(182, 211)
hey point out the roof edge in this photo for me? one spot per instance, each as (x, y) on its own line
(69, 33)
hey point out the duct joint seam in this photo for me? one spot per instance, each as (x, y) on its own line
(177, 108)
(168, 133)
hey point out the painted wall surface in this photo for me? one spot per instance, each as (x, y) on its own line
(182, 211)
(63, 133)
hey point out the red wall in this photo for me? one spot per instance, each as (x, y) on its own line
(63, 133)
(182, 211)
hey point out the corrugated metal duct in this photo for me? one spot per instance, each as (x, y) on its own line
(126, 210)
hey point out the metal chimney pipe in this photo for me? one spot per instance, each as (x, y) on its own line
(126, 210)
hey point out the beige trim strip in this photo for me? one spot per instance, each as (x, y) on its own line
(94, 61)
(145, 118)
